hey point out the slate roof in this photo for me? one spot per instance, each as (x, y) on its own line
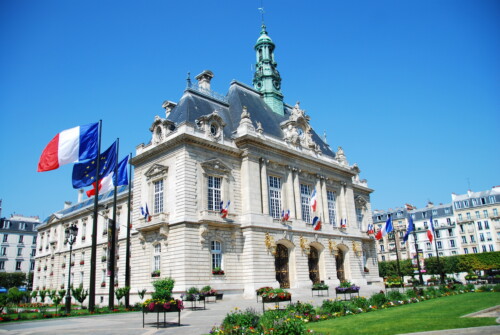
(195, 104)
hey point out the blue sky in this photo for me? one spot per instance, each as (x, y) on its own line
(409, 89)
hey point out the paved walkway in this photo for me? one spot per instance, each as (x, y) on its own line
(192, 322)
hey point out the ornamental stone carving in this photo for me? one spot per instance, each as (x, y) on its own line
(297, 131)
(212, 125)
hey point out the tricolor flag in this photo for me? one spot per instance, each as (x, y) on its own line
(285, 216)
(145, 212)
(411, 227)
(107, 183)
(430, 230)
(370, 229)
(314, 201)
(343, 223)
(84, 173)
(385, 230)
(224, 210)
(316, 223)
(70, 146)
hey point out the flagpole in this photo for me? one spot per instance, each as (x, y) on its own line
(93, 256)
(112, 238)
(397, 255)
(127, 256)
(418, 260)
(440, 269)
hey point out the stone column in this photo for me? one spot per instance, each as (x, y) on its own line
(296, 188)
(290, 196)
(263, 183)
(319, 194)
(250, 195)
(324, 196)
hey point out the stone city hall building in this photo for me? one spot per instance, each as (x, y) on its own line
(260, 154)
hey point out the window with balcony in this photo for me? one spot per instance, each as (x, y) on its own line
(472, 239)
(3, 251)
(214, 193)
(486, 225)
(484, 248)
(464, 239)
(275, 197)
(332, 210)
(466, 251)
(492, 248)
(479, 225)
(450, 232)
(305, 199)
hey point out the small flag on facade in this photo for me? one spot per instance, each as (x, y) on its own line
(285, 215)
(430, 230)
(314, 201)
(316, 223)
(343, 223)
(224, 210)
(370, 229)
(385, 230)
(145, 212)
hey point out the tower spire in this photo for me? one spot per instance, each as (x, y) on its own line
(266, 78)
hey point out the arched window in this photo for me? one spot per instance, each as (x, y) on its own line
(216, 251)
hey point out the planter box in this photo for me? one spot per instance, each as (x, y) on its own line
(275, 300)
(160, 308)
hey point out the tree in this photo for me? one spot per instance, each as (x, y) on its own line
(121, 292)
(12, 279)
(15, 296)
(56, 298)
(79, 294)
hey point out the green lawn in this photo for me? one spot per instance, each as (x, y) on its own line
(435, 314)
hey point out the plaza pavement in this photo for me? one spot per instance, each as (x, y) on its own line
(192, 322)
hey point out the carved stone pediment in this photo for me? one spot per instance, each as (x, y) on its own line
(156, 171)
(215, 166)
(212, 125)
(297, 131)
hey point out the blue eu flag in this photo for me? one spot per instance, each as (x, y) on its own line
(84, 173)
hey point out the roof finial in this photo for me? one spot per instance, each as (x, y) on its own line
(261, 10)
(188, 79)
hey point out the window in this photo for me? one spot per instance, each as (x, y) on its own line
(429, 255)
(22, 226)
(479, 225)
(332, 212)
(474, 250)
(214, 193)
(464, 239)
(157, 258)
(466, 251)
(103, 276)
(81, 277)
(33, 252)
(448, 221)
(466, 203)
(460, 217)
(2, 265)
(447, 211)
(19, 252)
(474, 202)
(485, 213)
(453, 252)
(483, 201)
(468, 216)
(158, 196)
(383, 258)
(484, 248)
(472, 239)
(491, 247)
(18, 266)
(492, 199)
(488, 236)
(275, 196)
(359, 216)
(305, 199)
(461, 228)
(4, 251)
(458, 205)
(424, 214)
(440, 245)
(84, 230)
(481, 237)
(34, 239)
(434, 212)
(428, 245)
(216, 251)
(452, 243)
(438, 233)
(495, 212)
(6, 224)
(486, 225)
(382, 248)
(5, 237)
(450, 232)
(478, 216)
(21, 238)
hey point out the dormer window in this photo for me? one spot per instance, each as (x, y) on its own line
(159, 134)
(213, 129)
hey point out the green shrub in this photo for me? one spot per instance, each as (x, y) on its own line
(192, 290)
(470, 287)
(239, 319)
(333, 306)
(378, 299)
(281, 323)
(360, 302)
(163, 289)
(304, 309)
(431, 291)
(396, 295)
(496, 288)
(485, 288)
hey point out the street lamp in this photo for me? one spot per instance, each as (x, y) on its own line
(70, 234)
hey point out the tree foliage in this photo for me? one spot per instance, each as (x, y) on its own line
(12, 279)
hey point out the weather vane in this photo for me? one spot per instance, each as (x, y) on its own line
(261, 10)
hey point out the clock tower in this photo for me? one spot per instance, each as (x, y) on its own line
(267, 79)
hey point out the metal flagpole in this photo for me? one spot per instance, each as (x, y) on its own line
(93, 256)
(112, 236)
(127, 256)
(418, 260)
(397, 255)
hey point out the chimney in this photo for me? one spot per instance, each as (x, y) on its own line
(80, 195)
(67, 204)
(469, 193)
(204, 80)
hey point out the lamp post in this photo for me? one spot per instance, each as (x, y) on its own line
(70, 233)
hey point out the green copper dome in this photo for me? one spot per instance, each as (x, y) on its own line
(263, 38)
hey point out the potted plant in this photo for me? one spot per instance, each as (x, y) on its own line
(82, 262)
(319, 287)
(276, 295)
(207, 291)
(63, 265)
(103, 284)
(155, 273)
(217, 271)
(192, 294)
(347, 287)
(366, 269)
(83, 237)
(161, 299)
(39, 268)
(103, 259)
(72, 263)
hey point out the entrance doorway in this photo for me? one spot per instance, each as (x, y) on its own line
(339, 259)
(281, 266)
(313, 260)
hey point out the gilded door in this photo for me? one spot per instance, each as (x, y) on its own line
(339, 259)
(313, 260)
(281, 266)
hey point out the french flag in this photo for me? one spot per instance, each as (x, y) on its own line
(430, 230)
(314, 201)
(316, 223)
(370, 229)
(343, 223)
(70, 146)
(285, 216)
(107, 183)
(385, 230)
(145, 212)
(224, 210)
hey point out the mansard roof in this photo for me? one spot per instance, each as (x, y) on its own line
(196, 103)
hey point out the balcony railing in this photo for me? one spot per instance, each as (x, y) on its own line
(156, 221)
